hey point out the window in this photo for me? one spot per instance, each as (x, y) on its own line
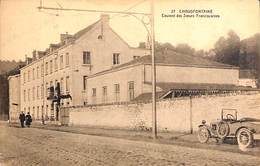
(29, 92)
(67, 84)
(50, 66)
(42, 90)
(86, 57)
(94, 92)
(42, 112)
(67, 59)
(131, 90)
(38, 113)
(46, 89)
(33, 94)
(29, 76)
(116, 59)
(51, 83)
(61, 85)
(55, 83)
(61, 61)
(42, 70)
(56, 63)
(24, 95)
(117, 92)
(37, 72)
(85, 82)
(46, 68)
(37, 93)
(46, 112)
(104, 94)
(33, 74)
(33, 113)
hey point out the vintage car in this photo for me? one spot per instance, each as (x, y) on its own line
(245, 130)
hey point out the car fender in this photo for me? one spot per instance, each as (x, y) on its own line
(245, 127)
(207, 127)
(204, 125)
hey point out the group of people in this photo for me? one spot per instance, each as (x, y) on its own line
(25, 119)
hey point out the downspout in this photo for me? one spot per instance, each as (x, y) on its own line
(43, 94)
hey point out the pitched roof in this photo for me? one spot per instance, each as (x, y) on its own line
(165, 86)
(189, 87)
(170, 57)
(85, 30)
(175, 58)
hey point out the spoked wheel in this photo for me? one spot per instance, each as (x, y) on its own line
(203, 135)
(222, 129)
(244, 139)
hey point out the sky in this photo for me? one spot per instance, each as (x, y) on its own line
(24, 28)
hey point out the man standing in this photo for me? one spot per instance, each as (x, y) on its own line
(22, 119)
(28, 119)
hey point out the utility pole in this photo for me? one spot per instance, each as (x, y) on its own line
(151, 17)
(154, 114)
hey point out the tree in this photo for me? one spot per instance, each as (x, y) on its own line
(185, 48)
(227, 49)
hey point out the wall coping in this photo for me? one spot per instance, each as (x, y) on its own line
(161, 100)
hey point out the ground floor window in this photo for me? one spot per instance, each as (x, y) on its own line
(37, 114)
(85, 82)
(33, 113)
(117, 92)
(104, 94)
(46, 113)
(131, 94)
(94, 94)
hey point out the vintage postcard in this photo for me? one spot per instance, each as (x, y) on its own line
(137, 82)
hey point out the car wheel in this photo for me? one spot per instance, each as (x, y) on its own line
(203, 135)
(244, 138)
(222, 129)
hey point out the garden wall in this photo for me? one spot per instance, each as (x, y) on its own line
(172, 115)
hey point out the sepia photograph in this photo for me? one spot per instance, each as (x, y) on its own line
(137, 82)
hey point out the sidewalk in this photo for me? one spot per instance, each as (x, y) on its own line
(118, 133)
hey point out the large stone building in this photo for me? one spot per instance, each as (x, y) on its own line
(91, 50)
(96, 66)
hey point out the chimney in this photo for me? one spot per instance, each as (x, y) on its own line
(65, 38)
(34, 53)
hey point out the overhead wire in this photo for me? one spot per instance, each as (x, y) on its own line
(131, 7)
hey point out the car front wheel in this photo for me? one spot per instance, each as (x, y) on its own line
(244, 138)
(203, 134)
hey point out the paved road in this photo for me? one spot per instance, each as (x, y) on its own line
(30, 146)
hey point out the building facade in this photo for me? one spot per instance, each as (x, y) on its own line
(69, 63)
(128, 81)
(14, 97)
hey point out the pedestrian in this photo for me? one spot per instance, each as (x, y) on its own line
(22, 119)
(43, 122)
(28, 119)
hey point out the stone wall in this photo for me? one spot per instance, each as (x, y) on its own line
(173, 115)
